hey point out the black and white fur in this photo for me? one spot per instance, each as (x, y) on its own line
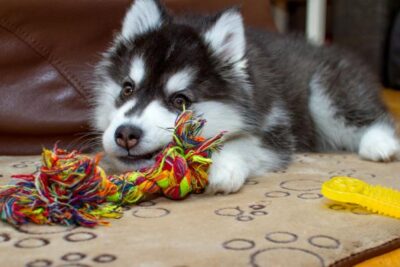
(274, 95)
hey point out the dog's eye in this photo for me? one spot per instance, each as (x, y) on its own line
(180, 101)
(128, 89)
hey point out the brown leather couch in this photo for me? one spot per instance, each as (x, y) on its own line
(47, 52)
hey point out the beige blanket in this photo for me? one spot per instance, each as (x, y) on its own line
(279, 219)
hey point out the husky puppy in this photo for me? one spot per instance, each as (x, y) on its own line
(274, 95)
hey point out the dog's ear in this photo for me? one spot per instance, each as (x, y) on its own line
(143, 16)
(226, 36)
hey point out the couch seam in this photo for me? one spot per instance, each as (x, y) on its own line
(45, 54)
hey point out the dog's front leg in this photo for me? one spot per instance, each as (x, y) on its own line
(239, 159)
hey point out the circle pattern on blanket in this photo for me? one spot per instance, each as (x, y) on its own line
(239, 244)
(230, 211)
(337, 207)
(74, 265)
(309, 196)
(277, 194)
(73, 256)
(80, 236)
(281, 237)
(105, 258)
(148, 213)
(285, 256)
(258, 212)
(244, 218)
(360, 211)
(32, 242)
(324, 241)
(39, 263)
(257, 206)
(35, 229)
(20, 165)
(301, 185)
(251, 182)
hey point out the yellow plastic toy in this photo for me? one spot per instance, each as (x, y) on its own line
(375, 198)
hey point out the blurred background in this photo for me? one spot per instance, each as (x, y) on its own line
(369, 28)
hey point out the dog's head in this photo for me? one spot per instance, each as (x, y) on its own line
(160, 64)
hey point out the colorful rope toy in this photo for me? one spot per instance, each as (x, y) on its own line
(71, 189)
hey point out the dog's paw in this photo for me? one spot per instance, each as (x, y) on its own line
(379, 143)
(227, 175)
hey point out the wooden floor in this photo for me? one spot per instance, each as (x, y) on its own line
(392, 99)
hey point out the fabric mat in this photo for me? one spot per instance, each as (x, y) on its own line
(276, 220)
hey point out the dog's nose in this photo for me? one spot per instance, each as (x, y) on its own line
(127, 136)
